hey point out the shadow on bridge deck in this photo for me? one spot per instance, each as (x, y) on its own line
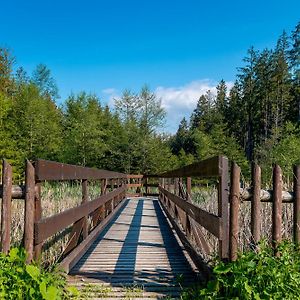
(138, 247)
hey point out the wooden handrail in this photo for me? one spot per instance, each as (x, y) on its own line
(218, 225)
(51, 225)
(49, 170)
(211, 167)
(209, 221)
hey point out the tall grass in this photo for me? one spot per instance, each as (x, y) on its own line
(55, 198)
(207, 199)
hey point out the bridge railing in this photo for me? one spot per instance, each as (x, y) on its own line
(38, 229)
(186, 217)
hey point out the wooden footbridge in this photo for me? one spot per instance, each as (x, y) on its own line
(149, 243)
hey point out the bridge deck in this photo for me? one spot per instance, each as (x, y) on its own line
(138, 247)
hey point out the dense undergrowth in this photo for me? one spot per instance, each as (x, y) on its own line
(255, 275)
(21, 281)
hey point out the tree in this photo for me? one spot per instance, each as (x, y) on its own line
(294, 60)
(127, 106)
(84, 134)
(182, 139)
(42, 78)
(6, 67)
(38, 124)
(152, 115)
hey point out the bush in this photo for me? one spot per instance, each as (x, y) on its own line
(255, 275)
(21, 281)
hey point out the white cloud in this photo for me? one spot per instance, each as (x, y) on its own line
(180, 101)
(112, 94)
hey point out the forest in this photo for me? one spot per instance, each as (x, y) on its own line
(256, 120)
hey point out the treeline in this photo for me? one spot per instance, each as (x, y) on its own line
(81, 131)
(257, 119)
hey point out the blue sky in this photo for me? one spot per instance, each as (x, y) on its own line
(179, 48)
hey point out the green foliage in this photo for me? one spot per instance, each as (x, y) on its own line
(255, 275)
(21, 281)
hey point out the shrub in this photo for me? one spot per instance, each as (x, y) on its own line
(255, 275)
(21, 281)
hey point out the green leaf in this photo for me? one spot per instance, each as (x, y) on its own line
(14, 254)
(52, 293)
(248, 288)
(33, 271)
(222, 269)
(43, 289)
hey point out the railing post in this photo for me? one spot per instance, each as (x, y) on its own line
(297, 204)
(234, 211)
(37, 217)
(29, 210)
(188, 186)
(277, 207)
(6, 206)
(255, 204)
(85, 198)
(223, 208)
(146, 185)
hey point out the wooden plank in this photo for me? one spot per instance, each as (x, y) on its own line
(29, 211)
(266, 195)
(76, 254)
(234, 211)
(85, 198)
(49, 170)
(134, 176)
(51, 225)
(132, 249)
(277, 207)
(195, 256)
(133, 185)
(17, 191)
(223, 212)
(209, 221)
(37, 217)
(6, 207)
(74, 236)
(255, 204)
(211, 167)
(296, 225)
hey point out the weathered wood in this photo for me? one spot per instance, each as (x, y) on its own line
(266, 195)
(209, 221)
(296, 225)
(85, 198)
(234, 211)
(76, 254)
(191, 227)
(29, 211)
(80, 226)
(277, 206)
(134, 176)
(48, 170)
(189, 186)
(195, 256)
(133, 185)
(74, 236)
(17, 191)
(255, 204)
(99, 213)
(211, 167)
(223, 212)
(6, 207)
(37, 218)
(138, 246)
(49, 226)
